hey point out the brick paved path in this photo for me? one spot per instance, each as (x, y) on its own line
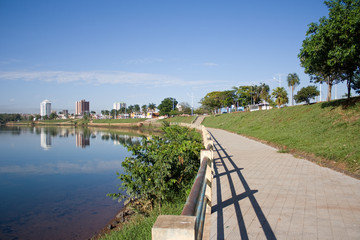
(261, 194)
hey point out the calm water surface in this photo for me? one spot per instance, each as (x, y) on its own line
(54, 181)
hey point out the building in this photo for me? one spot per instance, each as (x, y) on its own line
(82, 107)
(45, 108)
(119, 105)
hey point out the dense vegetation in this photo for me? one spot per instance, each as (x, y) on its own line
(8, 117)
(127, 120)
(328, 130)
(160, 170)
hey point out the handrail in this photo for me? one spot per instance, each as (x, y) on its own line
(190, 224)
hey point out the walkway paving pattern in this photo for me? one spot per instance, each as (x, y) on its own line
(259, 193)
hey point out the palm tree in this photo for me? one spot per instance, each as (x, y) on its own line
(293, 81)
(280, 96)
(152, 106)
(144, 108)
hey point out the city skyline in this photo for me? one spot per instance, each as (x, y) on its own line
(143, 52)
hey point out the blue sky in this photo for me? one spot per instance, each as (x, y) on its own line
(141, 52)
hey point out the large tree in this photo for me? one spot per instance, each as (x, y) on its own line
(306, 94)
(293, 80)
(167, 105)
(243, 95)
(330, 52)
(218, 99)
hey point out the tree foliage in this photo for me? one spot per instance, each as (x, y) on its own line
(167, 105)
(218, 99)
(330, 52)
(280, 96)
(160, 167)
(306, 94)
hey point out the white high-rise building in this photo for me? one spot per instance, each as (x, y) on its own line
(119, 105)
(45, 108)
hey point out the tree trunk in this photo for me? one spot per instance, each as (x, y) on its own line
(330, 83)
(348, 83)
(292, 95)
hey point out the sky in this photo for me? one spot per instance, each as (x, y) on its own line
(140, 52)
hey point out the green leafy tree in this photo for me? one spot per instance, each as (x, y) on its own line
(167, 105)
(344, 24)
(53, 116)
(243, 95)
(218, 99)
(330, 52)
(306, 94)
(280, 96)
(293, 80)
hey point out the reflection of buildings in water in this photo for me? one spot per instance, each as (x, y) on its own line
(45, 139)
(81, 140)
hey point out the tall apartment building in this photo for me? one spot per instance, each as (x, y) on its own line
(119, 105)
(45, 108)
(82, 107)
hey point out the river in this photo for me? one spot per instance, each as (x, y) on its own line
(54, 181)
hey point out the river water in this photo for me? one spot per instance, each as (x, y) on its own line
(54, 181)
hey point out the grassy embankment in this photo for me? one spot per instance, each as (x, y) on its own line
(328, 133)
(180, 119)
(140, 226)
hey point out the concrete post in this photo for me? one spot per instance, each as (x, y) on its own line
(168, 227)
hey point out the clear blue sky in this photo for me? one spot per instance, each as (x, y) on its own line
(141, 52)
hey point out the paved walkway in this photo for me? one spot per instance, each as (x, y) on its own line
(261, 194)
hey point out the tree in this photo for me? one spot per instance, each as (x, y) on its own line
(243, 95)
(136, 108)
(331, 51)
(53, 116)
(218, 99)
(306, 94)
(264, 92)
(152, 106)
(344, 19)
(144, 108)
(130, 109)
(292, 80)
(167, 105)
(280, 96)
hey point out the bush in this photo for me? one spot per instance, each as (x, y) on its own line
(160, 167)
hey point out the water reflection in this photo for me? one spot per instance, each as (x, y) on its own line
(45, 139)
(59, 193)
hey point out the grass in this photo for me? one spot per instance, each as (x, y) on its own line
(180, 119)
(56, 121)
(327, 130)
(140, 226)
(128, 120)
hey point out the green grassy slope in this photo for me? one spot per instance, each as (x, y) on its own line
(327, 130)
(180, 119)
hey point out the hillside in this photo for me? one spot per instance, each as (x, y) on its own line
(328, 133)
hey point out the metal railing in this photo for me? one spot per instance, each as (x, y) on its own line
(197, 210)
